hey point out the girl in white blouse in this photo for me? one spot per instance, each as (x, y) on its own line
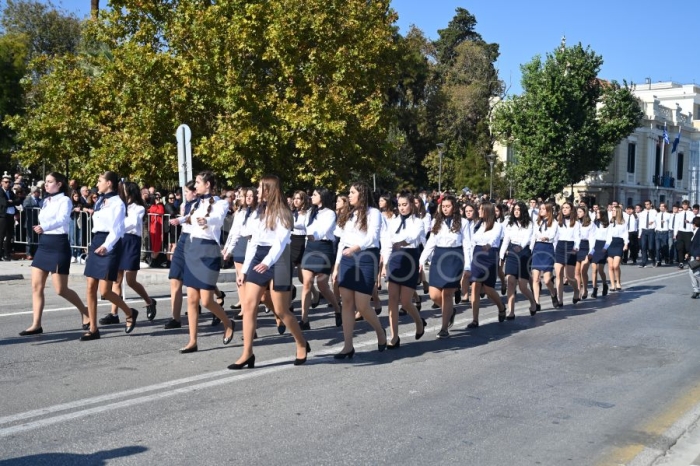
(423, 214)
(131, 252)
(267, 264)
(616, 244)
(319, 255)
(203, 258)
(244, 223)
(470, 215)
(588, 229)
(544, 240)
(599, 253)
(565, 252)
(102, 263)
(447, 249)
(486, 242)
(357, 265)
(401, 256)
(516, 254)
(300, 214)
(502, 218)
(53, 254)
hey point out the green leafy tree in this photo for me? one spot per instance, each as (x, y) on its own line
(557, 127)
(297, 87)
(14, 49)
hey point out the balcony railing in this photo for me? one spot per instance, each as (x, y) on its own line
(664, 181)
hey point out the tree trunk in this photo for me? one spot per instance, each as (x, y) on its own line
(94, 8)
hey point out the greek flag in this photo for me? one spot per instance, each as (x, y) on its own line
(666, 136)
(676, 141)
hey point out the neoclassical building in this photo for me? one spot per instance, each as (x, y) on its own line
(644, 166)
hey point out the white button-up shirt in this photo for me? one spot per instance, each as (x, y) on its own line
(277, 239)
(516, 235)
(615, 230)
(446, 238)
(545, 233)
(684, 221)
(215, 219)
(323, 226)
(351, 235)
(299, 228)
(110, 219)
(663, 221)
(133, 222)
(412, 233)
(54, 216)
(647, 219)
(588, 233)
(569, 233)
(244, 222)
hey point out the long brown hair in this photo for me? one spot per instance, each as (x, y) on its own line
(586, 220)
(489, 215)
(363, 205)
(343, 214)
(572, 215)
(274, 205)
(549, 215)
(305, 201)
(440, 217)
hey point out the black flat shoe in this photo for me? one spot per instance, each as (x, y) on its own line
(151, 310)
(402, 312)
(281, 329)
(397, 345)
(425, 287)
(357, 319)
(220, 299)
(605, 290)
(130, 326)
(233, 329)
(215, 321)
(345, 355)
(510, 317)
(191, 349)
(298, 361)
(595, 293)
(504, 290)
(420, 335)
(91, 336)
(584, 295)
(172, 323)
(378, 310)
(618, 289)
(86, 326)
(502, 315)
(250, 362)
(473, 324)
(304, 325)
(236, 307)
(36, 331)
(338, 319)
(555, 302)
(442, 334)
(575, 300)
(109, 319)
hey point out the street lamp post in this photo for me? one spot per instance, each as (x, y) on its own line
(441, 150)
(492, 159)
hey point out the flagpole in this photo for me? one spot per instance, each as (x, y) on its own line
(663, 149)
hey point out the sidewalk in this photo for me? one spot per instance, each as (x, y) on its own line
(20, 269)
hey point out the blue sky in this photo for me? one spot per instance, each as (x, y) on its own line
(637, 40)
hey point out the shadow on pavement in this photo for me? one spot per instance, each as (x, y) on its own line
(93, 459)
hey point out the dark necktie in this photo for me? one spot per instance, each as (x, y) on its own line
(100, 202)
(448, 222)
(628, 222)
(313, 215)
(248, 211)
(403, 222)
(647, 219)
(296, 215)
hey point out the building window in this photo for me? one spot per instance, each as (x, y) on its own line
(657, 166)
(631, 156)
(679, 168)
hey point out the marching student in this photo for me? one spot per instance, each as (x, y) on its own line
(356, 265)
(568, 243)
(599, 253)
(423, 214)
(501, 218)
(616, 243)
(244, 223)
(694, 256)
(203, 258)
(448, 250)
(515, 252)
(319, 255)
(300, 208)
(588, 229)
(342, 212)
(633, 228)
(129, 262)
(544, 240)
(672, 247)
(177, 265)
(661, 229)
(683, 232)
(102, 263)
(401, 256)
(53, 255)
(647, 223)
(486, 241)
(268, 264)
(470, 218)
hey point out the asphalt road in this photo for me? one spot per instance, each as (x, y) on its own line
(595, 383)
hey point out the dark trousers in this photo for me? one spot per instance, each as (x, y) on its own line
(647, 245)
(661, 239)
(683, 244)
(632, 251)
(7, 229)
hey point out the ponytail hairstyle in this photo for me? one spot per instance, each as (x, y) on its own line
(61, 178)
(274, 204)
(440, 217)
(113, 178)
(409, 197)
(207, 176)
(132, 193)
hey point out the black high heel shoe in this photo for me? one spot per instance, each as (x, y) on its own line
(345, 355)
(605, 289)
(420, 335)
(397, 345)
(300, 361)
(233, 329)
(250, 362)
(281, 329)
(338, 319)
(220, 299)
(502, 314)
(383, 347)
(555, 302)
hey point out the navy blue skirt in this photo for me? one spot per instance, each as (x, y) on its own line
(565, 253)
(177, 263)
(616, 247)
(202, 263)
(131, 252)
(543, 257)
(601, 255)
(518, 263)
(446, 268)
(403, 266)
(239, 249)
(280, 274)
(53, 254)
(583, 249)
(319, 257)
(297, 247)
(359, 271)
(102, 267)
(484, 266)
